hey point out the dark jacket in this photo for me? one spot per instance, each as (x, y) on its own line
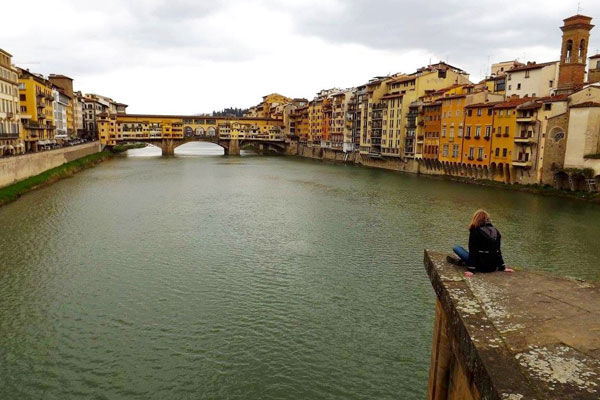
(484, 249)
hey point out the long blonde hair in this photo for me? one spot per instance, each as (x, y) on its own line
(480, 218)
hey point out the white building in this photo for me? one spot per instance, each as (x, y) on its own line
(60, 104)
(532, 80)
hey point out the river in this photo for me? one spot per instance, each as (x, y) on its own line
(203, 276)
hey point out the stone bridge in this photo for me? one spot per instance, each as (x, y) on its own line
(231, 145)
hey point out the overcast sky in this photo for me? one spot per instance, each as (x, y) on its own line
(186, 56)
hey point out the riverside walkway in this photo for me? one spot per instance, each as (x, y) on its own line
(519, 336)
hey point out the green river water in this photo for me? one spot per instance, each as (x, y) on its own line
(208, 277)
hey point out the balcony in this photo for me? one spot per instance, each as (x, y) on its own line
(524, 138)
(9, 135)
(526, 119)
(522, 163)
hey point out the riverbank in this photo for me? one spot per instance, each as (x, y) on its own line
(121, 148)
(12, 192)
(329, 155)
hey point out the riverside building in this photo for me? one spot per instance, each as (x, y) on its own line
(11, 138)
(36, 100)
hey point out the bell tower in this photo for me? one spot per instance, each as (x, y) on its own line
(573, 57)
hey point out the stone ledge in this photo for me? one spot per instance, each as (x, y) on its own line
(521, 336)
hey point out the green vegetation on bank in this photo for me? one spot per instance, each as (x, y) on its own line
(13, 192)
(121, 148)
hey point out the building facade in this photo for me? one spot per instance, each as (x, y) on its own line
(11, 135)
(36, 100)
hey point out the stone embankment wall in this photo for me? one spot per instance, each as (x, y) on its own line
(512, 336)
(318, 153)
(14, 169)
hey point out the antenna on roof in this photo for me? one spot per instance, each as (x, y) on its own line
(579, 9)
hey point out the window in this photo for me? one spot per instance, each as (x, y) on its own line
(455, 151)
(497, 151)
(468, 135)
(480, 154)
(444, 131)
(597, 64)
(452, 132)
(504, 151)
(551, 83)
(547, 106)
(518, 86)
(506, 131)
(488, 131)
(457, 113)
(527, 74)
(471, 153)
(501, 113)
(568, 51)
(478, 132)
(490, 111)
(445, 151)
(470, 113)
(479, 112)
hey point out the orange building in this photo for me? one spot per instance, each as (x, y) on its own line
(432, 115)
(477, 142)
(452, 128)
(505, 125)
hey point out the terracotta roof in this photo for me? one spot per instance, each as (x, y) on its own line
(434, 104)
(401, 80)
(454, 96)
(512, 103)
(530, 106)
(586, 104)
(484, 105)
(550, 99)
(392, 96)
(531, 66)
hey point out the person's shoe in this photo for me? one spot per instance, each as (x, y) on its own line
(455, 261)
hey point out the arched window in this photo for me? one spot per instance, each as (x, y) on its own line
(211, 131)
(188, 131)
(200, 131)
(568, 51)
(581, 50)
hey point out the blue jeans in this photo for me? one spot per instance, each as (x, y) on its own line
(462, 254)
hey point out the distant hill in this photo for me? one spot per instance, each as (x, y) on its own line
(230, 112)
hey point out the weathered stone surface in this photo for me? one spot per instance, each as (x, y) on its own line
(522, 336)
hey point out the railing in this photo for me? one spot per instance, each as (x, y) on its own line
(9, 135)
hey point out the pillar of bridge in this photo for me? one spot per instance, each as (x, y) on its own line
(233, 149)
(168, 147)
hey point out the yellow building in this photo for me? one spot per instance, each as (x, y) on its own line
(271, 107)
(505, 125)
(397, 93)
(37, 112)
(11, 135)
